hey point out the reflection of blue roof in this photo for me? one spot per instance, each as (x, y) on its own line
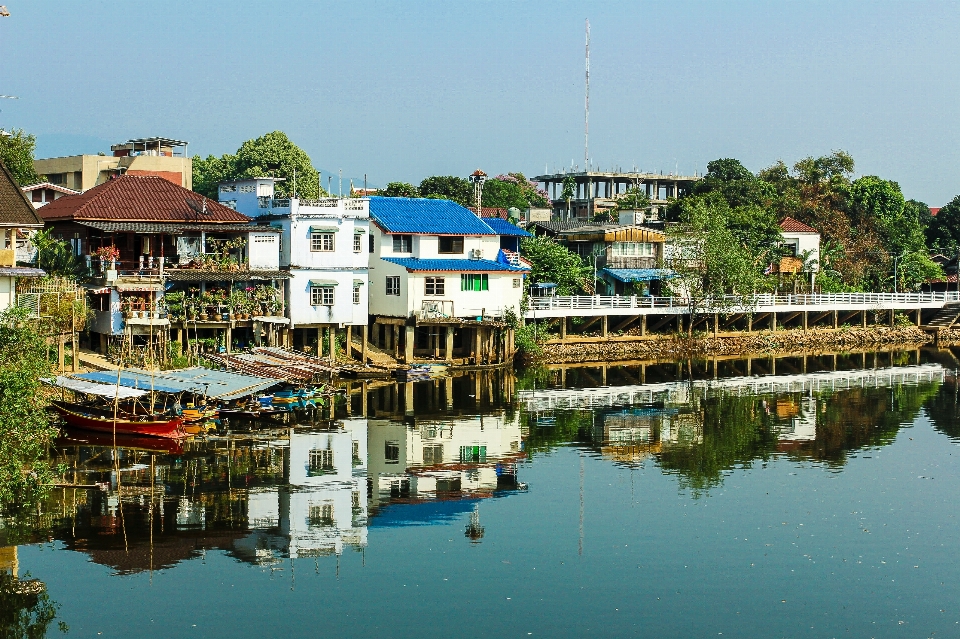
(468, 266)
(422, 215)
(638, 274)
(505, 227)
(202, 381)
(425, 513)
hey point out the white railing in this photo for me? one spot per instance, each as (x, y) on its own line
(731, 304)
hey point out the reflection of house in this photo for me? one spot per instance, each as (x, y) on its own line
(161, 157)
(17, 218)
(798, 424)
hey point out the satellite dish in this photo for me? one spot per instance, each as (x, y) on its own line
(199, 207)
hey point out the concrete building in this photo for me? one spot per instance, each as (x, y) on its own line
(161, 157)
(597, 192)
(439, 274)
(325, 249)
(17, 218)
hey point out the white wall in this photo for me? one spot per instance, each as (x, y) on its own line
(805, 242)
(343, 311)
(263, 251)
(7, 292)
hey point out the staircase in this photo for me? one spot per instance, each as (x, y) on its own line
(375, 356)
(946, 317)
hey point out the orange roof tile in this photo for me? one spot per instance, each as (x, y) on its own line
(791, 225)
(139, 198)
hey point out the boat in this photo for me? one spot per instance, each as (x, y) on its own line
(163, 445)
(80, 416)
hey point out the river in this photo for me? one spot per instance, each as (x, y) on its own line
(682, 499)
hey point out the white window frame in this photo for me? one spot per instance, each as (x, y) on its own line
(393, 285)
(322, 242)
(357, 242)
(322, 295)
(401, 239)
(356, 293)
(433, 282)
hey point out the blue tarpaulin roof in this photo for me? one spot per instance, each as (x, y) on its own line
(505, 227)
(638, 274)
(202, 381)
(469, 266)
(422, 215)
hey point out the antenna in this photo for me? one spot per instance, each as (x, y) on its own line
(586, 107)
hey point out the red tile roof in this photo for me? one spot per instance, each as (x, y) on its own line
(934, 211)
(15, 208)
(139, 198)
(489, 211)
(791, 225)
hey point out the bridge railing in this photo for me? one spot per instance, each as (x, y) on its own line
(738, 304)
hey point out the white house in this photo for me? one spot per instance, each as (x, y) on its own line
(324, 246)
(801, 244)
(436, 264)
(43, 193)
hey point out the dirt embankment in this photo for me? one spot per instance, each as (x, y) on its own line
(765, 342)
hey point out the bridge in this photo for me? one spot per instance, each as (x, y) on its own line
(745, 313)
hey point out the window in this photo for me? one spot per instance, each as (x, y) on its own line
(248, 188)
(230, 204)
(433, 286)
(321, 242)
(321, 295)
(402, 243)
(357, 242)
(356, 294)
(391, 452)
(57, 178)
(450, 245)
(473, 454)
(432, 454)
(789, 250)
(320, 462)
(320, 515)
(634, 249)
(37, 195)
(516, 282)
(372, 247)
(228, 188)
(393, 285)
(474, 282)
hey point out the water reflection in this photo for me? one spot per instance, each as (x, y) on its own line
(425, 453)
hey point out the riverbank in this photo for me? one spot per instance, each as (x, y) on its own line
(762, 342)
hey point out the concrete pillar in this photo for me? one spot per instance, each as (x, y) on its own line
(363, 399)
(773, 321)
(408, 398)
(604, 324)
(749, 322)
(603, 375)
(563, 377)
(643, 325)
(61, 347)
(805, 319)
(349, 330)
(448, 392)
(863, 318)
(333, 344)
(320, 342)
(891, 318)
(716, 324)
(476, 345)
(408, 344)
(836, 319)
(918, 319)
(563, 328)
(749, 366)
(448, 346)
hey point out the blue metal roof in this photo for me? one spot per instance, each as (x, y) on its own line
(426, 215)
(202, 381)
(469, 266)
(638, 274)
(505, 227)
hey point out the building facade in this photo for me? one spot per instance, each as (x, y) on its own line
(17, 219)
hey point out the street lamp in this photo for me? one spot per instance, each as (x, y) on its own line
(478, 177)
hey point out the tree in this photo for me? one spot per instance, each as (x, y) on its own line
(56, 256)
(513, 190)
(273, 155)
(553, 263)
(16, 153)
(943, 234)
(25, 430)
(399, 189)
(569, 189)
(448, 187)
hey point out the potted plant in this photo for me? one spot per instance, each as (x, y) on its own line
(127, 307)
(107, 254)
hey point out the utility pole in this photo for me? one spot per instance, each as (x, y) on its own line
(586, 107)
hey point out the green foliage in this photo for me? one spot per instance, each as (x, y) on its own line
(25, 431)
(16, 153)
(554, 263)
(56, 257)
(635, 198)
(272, 154)
(448, 187)
(513, 190)
(23, 613)
(943, 232)
(569, 188)
(399, 189)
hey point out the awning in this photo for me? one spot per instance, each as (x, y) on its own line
(201, 381)
(323, 282)
(627, 275)
(92, 388)
(358, 282)
(99, 291)
(358, 231)
(324, 229)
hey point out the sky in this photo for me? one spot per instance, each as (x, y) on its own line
(399, 90)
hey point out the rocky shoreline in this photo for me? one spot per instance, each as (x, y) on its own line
(761, 343)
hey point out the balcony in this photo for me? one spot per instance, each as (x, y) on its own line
(623, 261)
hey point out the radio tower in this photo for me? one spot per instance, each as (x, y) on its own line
(586, 108)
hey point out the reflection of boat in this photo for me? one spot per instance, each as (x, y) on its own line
(79, 416)
(418, 372)
(151, 444)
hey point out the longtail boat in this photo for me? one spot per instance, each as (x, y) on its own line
(132, 442)
(81, 416)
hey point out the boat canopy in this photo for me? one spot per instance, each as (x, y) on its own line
(91, 388)
(197, 380)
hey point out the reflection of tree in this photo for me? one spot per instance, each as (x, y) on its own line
(735, 431)
(557, 428)
(26, 609)
(944, 408)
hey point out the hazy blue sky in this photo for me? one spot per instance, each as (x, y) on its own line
(400, 90)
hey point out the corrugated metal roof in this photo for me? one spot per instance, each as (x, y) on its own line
(203, 275)
(638, 274)
(425, 216)
(466, 266)
(505, 227)
(202, 381)
(139, 198)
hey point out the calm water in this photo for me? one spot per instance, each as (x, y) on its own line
(700, 503)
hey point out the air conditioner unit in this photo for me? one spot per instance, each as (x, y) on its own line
(476, 254)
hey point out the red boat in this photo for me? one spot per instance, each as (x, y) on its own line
(163, 445)
(92, 419)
